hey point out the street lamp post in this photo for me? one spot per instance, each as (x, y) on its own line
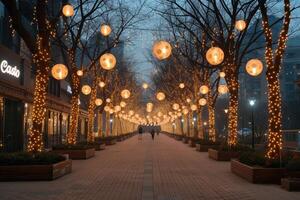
(252, 103)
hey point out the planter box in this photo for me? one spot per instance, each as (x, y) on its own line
(110, 142)
(77, 154)
(222, 155)
(291, 184)
(99, 147)
(178, 138)
(35, 172)
(257, 174)
(185, 140)
(192, 143)
(204, 148)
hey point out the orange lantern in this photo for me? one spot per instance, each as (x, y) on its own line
(254, 67)
(240, 25)
(181, 85)
(79, 72)
(162, 49)
(105, 30)
(68, 10)
(108, 61)
(202, 102)
(125, 94)
(222, 89)
(59, 71)
(98, 102)
(215, 56)
(204, 89)
(86, 89)
(160, 96)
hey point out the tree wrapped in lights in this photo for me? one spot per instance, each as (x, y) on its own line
(273, 62)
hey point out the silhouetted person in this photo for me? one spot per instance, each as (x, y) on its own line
(152, 133)
(140, 133)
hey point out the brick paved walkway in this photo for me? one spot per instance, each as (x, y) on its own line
(163, 169)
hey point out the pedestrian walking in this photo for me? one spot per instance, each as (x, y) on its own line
(140, 132)
(152, 133)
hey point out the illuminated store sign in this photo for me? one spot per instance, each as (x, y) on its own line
(7, 69)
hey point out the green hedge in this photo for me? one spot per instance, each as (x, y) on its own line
(24, 158)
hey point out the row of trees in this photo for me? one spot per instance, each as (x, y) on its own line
(75, 31)
(195, 27)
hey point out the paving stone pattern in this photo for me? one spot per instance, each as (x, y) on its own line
(163, 169)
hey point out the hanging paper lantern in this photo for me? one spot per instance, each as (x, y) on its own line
(202, 102)
(131, 112)
(194, 107)
(105, 30)
(204, 89)
(222, 74)
(185, 111)
(145, 85)
(117, 108)
(59, 71)
(181, 85)
(86, 89)
(159, 114)
(188, 100)
(108, 61)
(101, 84)
(179, 114)
(68, 10)
(98, 102)
(79, 72)
(222, 89)
(111, 111)
(125, 94)
(240, 25)
(162, 50)
(254, 67)
(122, 104)
(175, 106)
(160, 96)
(215, 56)
(106, 108)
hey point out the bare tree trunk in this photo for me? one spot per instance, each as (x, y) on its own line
(72, 134)
(91, 110)
(233, 86)
(211, 119)
(41, 59)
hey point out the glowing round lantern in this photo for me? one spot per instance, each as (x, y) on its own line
(79, 72)
(98, 102)
(59, 71)
(106, 108)
(215, 56)
(202, 102)
(188, 100)
(159, 114)
(181, 85)
(204, 89)
(105, 30)
(222, 74)
(194, 107)
(240, 25)
(125, 94)
(86, 89)
(117, 108)
(108, 100)
(108, 61)
(160, 96)
(131, 112)
(111, 111)
(145, 85)
(162, 49)
(175, 106)
(68, 10)
(185, 111)
(101, 84)
(179, 114)
(122, 104)
(222, 89)
(254, 67)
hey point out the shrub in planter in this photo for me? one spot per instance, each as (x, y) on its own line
(77, 151)
(226, 153)
(38, 166)
(293, 168)
(204, 145)
(97, 145)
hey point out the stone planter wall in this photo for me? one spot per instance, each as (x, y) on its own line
(204, 148)
(257, 174)
(110, 142)
(222, 155)
(192, 143)
(77, 154)
(185, 140)
(35, 172)
(290, 184)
